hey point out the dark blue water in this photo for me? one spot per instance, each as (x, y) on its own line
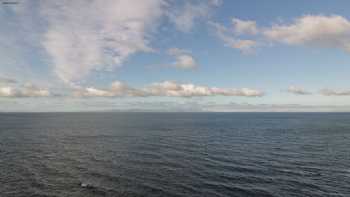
(174, 154)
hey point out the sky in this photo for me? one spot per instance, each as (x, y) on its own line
(174, 55)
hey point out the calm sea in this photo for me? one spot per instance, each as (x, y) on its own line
(174, 154)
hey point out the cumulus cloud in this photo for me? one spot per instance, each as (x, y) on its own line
(298, 90)
(84, 36)
(244, 26)
(170, 88)
(330, 92)
(6, 91)
(185, 16)
(165, 89)
(230, 40)
(27, 90)
(313, 30)
(184, 59)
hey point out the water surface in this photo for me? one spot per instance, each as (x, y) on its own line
(174, 154)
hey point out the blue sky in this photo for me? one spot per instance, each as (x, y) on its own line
(167, 55)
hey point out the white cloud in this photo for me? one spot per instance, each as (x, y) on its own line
(6, 91)
(313, 30)
(185, 16)
(310, 30)
(90, 91)
(169, 88)
(27, 90)
(298, 90)
(84, 36)
(223, 33)
(30, 90)
(117, 89)
(330, 92)
(244, 45)
(164, 89)
(244, 26)
(161, 89)
(184, 59)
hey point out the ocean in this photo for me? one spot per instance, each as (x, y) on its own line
(174, 154)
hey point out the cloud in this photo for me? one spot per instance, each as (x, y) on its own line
(244, 26)
(75, 39)
(310, 30)
(84, 36)
(330, 92)
(185, 16)
(297, 90)
(173, 89)
(184, 59)
(6, 91)
(27, 90)
(164, 89)
(6, 80)
(313, 30)
(117, 89)
(230, 40)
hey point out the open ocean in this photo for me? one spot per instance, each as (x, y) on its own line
(174, 154)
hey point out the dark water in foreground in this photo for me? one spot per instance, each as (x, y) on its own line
(174, 154)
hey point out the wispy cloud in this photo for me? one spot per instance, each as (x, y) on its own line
(26, 90)
(230, 40)
(298, 90)
(244, 26)
(80, 39)
(184, 58)
(6, 80)
(330, 92)
(185, 16)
